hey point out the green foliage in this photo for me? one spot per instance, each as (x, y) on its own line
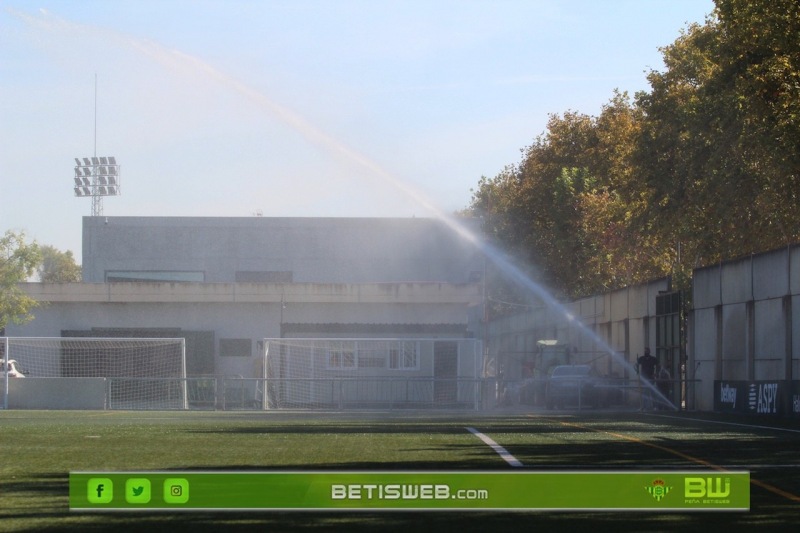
(704, 166)
(719, 152)
(568, 207)
(58, 267)
(18, 261)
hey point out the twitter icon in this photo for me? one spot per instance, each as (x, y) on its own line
(137, 490)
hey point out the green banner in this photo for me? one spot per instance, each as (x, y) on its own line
(667, 490)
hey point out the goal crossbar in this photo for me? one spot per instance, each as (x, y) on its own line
(135, 373)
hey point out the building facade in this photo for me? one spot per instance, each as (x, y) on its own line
(276, 250)
(225, 284)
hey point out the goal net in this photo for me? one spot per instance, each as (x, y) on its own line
(372, 373)
(131, 373)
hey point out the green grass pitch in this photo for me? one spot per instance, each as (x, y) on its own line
(40, 448)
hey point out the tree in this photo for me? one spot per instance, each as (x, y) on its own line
(760, 66)
(57, 266)
(18, 262)
(702, 167)
(570, 205)
(720, 150)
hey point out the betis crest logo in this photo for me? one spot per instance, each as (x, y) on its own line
(658, 489)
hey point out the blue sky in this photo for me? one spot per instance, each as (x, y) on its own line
(299, 108)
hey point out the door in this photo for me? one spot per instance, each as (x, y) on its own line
(445, 372)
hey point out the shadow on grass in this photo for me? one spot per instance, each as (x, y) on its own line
(40, 502)
(469, 521)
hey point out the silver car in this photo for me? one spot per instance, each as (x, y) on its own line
(574, 385)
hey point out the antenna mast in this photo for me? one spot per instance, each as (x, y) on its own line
(95, 114)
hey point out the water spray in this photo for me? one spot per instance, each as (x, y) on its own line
(175, 59)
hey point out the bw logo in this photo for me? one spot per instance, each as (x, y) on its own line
(658, 489)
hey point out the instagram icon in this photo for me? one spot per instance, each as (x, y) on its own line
(176, 490)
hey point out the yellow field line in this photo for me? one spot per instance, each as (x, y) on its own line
(766, 486)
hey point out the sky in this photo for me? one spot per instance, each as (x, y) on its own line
(308, 108)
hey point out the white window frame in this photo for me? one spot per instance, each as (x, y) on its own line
(343, 357)
(405, 356)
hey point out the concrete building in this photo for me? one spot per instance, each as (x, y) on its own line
(226, 283)
(276, 250)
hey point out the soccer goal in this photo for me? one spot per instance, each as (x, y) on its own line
(78, 373)
(372, 373)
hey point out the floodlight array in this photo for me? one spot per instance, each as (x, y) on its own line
(96, 176)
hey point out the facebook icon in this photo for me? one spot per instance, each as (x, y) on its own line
(100, 490)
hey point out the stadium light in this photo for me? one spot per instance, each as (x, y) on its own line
(96, 177)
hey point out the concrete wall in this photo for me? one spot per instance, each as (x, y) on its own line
(744, 321)
(57, 393)
(318, 250)
(254, 311)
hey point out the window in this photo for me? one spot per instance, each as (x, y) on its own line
(371, 354)
(155, 276)
(342, 356)
(365, 361)
(405, 356)
(397, 355)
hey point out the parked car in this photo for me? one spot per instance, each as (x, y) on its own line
(575, 385)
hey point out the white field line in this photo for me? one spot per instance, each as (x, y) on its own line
(502, 452)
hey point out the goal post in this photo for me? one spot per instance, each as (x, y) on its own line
(65, 372)
(6, 370)
(334, 373)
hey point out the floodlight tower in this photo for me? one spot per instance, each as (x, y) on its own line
(97, 177)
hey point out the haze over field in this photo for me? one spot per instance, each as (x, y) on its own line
(302, 108)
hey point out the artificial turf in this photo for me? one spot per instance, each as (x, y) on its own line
(41, 448)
